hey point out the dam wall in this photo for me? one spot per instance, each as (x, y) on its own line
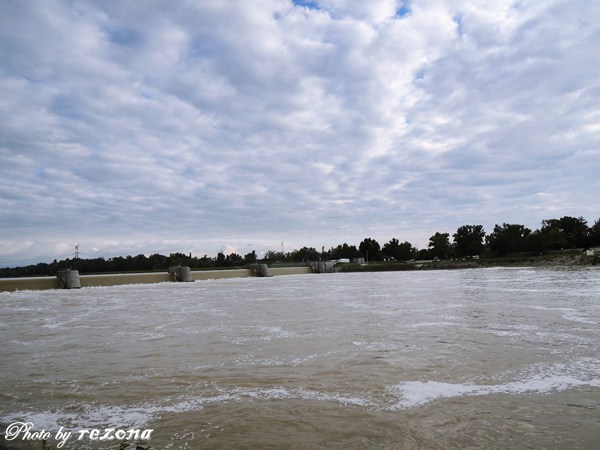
(29, 283)
(38, 283)
(275, 271)
(125, 278)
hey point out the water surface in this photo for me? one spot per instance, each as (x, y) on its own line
(484, 358)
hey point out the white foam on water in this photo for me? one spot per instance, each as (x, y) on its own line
(253, 360)
(191, 404)
(432, 324)
(139, 416)
(271, 393)
(379, 346)
(90, 417)
(281, 393)
(453, 306)
(571, 314)
(503, 333)
(507, 330)
(260, 333)
(579, 317)
(561, 337)
(546, 308)
(337, 397)
(555, 379)
(156, 336)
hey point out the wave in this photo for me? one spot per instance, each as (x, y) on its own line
(546, 380)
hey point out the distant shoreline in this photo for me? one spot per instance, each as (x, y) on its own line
(569, 260)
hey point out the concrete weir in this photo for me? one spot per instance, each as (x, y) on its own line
(66, 279)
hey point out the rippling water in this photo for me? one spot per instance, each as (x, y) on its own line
(485, 358)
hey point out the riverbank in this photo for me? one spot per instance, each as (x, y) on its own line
(561, 259)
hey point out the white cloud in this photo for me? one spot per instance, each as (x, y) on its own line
(257, 122)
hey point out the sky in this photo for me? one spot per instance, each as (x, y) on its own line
(205, 126)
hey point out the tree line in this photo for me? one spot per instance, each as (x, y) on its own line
(468, 240)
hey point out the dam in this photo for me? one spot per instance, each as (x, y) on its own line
(64, 278)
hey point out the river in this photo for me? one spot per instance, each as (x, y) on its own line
(497, 358)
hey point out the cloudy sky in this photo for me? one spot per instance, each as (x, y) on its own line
(202, 126)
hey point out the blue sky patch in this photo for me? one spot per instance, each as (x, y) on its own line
(307, 4)
(403, 11)
(458, 19)
(124, 36)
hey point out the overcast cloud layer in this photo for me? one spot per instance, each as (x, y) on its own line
(203, 126)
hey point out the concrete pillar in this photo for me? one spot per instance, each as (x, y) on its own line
(69, 279)
(181, 273)
(185, 274)
(263, 271)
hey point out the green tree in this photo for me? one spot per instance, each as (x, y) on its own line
(234, 260)
(439, 245)
(305, 254)
(250, 258)
(399, 251)
(536, 242)
(508, 238)
(595, 234)
(205, 261)
(157, 261)
(574, 232)
(344, 251)
(468, 240)
(423, 254)
(178, 259)
(273, 256)
(370, 249)
(220, 259)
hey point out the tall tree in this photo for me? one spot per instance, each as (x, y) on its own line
(595, 234)
(508, 238)
(370, 249)
(344, 251)
(574, 231)
(234, 260)
(305, 254)
(439, 245)
(220, 259)
(399, 251)
(273, 256)
(468, 240)
(250, 258)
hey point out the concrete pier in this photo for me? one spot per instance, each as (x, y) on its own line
(262, 270)
(69, 278)
(181, 273)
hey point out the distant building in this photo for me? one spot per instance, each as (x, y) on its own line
(359, 260)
